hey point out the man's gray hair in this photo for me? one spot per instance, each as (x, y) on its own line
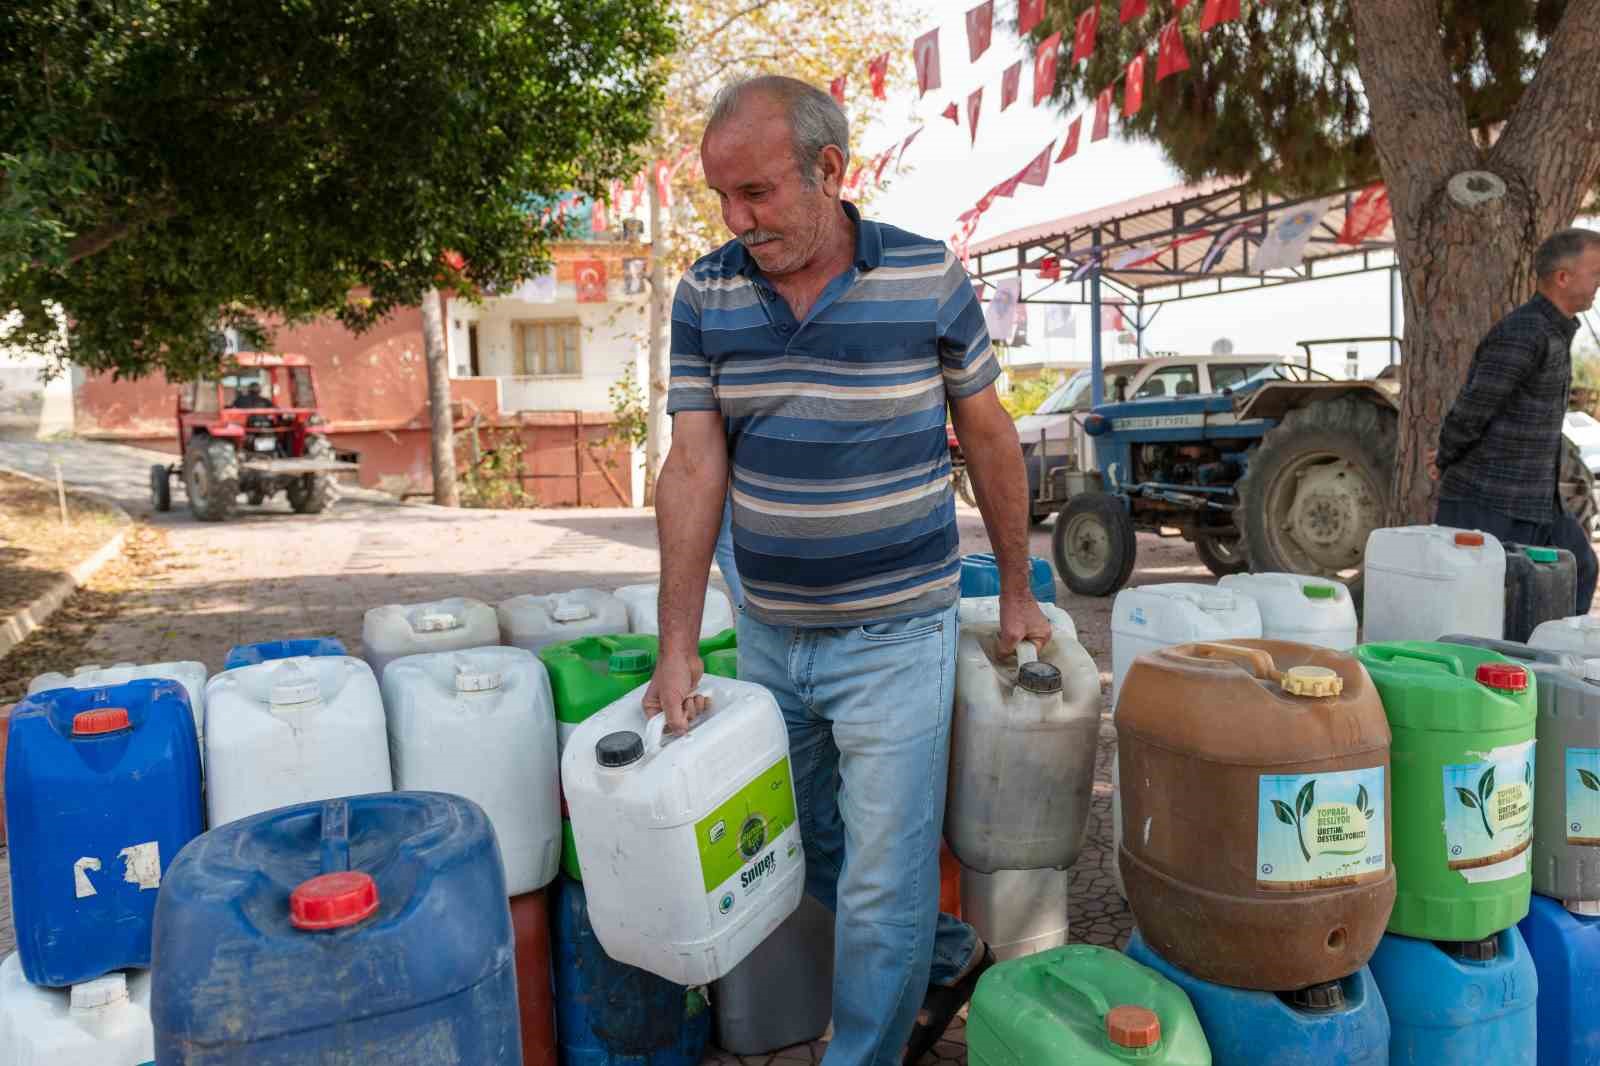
(1561, 248)
(815, 119)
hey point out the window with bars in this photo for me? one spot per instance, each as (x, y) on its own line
(548, 348)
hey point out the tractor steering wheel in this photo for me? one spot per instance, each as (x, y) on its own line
(1297, 373)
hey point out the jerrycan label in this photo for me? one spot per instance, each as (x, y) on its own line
(749, 841)
(1320, 830)
(1583, 795)
(1488, 814)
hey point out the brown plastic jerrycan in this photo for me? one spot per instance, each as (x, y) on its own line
(1255, 791)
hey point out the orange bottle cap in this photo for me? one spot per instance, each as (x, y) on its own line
(1133, 1027)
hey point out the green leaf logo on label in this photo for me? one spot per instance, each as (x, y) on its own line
(1590, 781)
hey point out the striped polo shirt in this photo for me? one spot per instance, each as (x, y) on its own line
(842, 505)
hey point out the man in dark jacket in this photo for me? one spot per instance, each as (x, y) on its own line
(1500, 447)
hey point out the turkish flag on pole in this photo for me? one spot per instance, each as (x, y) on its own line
(1009, 81)
(974, 102)
(1217, 12)
(1368, 216)
(878, 73)
(1038, 168)
(836, 89)
(1069, 147)
(1172, 57)
(952, 113)
(1102, 116)
(1029, 14)
(926, 52)
(980, 28)
(1083, 39)
(1132, 9)
(1133, 95)
(1044, 67)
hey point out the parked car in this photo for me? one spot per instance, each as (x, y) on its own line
(1582, 430)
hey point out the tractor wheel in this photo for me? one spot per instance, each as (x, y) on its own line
(1577, 487)
(1222, 555)
(963, 484)
(211, 478)
(312, 493)
(1094, 544)
(1316, 487)
(160, 488)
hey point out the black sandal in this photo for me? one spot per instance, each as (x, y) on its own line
(941, 1005)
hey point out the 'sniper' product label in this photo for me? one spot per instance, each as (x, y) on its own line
(1488, 813)
(1320, 830)
(751, 840)
(1582, 787)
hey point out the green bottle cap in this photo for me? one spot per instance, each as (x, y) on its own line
(1541, 555)
(631, 661)
(1319, 592)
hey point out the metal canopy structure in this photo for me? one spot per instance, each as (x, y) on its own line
(1150, 250)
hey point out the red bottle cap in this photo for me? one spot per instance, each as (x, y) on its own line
(1507, 677)
(333, 901)
(1469, 540)
(100, 721)
(1133, 1027)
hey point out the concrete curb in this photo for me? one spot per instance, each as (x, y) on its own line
(15, 627)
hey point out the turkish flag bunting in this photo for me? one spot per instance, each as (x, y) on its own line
(664, 182)
(1219, 11)
(980, 27)
(1007, 187)
(1044, 67)
(1030, 13)
(1102, 115)
(836, 89)
(974, 102)
(638, 190)
(598, 222)
(904, 145)
(1171, 57)
(1132, 9)
(926, 52)
(1069, 148)
(883, 161)
(1050, 268)
(1009, 81)
(878, 73)
(1179, 5)
(1083, 39)
(1133, 96)
(952, 113)
(1038, 169)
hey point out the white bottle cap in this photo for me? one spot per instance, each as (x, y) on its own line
(470, 680)
(435, 622)
(568, 610)
(1220, 600)
(100, 993)
(1586, 908)
(292, 685)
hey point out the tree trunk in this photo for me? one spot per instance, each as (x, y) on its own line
(441, 423)
(1464, 265)
(658, 427)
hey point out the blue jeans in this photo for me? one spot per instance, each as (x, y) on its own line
(1562, 531)
(724, 554)
(868, 710)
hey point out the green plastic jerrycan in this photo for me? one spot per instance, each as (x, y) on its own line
(720, 653)
(1081, 1005)
(1462, 760)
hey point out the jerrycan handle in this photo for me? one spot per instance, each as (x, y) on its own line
(1097, 999)
(655, 730)
(1389, 653)
(1031, 655)
(1257, 661)
(335, 836)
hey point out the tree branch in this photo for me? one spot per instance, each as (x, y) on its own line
(730, 20)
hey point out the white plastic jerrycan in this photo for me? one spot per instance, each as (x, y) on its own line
(1016, 912)
(1578, 635)
(1022, 749)
(104, 1022)
(293, 731)
(191, 675)
(480, 723)
(1158, 616)
(689, 844)
(643, 600)
(400, 629)
(1425, 581)
(985, 610)
(532, 622)
(1306, 610)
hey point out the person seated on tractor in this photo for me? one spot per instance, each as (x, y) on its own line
(250, 397)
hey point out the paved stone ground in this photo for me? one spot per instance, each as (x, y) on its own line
(273, 574)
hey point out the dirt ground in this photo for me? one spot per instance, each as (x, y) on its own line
(36, 550)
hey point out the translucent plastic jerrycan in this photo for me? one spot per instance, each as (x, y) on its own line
(1341, 1021)
(1307, 610)
(1578, 635)
(1016, 912)
(191, 675)
(1083, 1005)
(1565, 948)
(1456, 1002)
(1425, 581)
(398, 629)
(293, 731)
(1541, 586)
(480, 723)
(267, 650)
(1256, 791)
(103, 1022)
(1463, 721)
(1022, 750)
(532, 622)
(985, 610)
(642, 602)
(1159, 616)
(1566, 801)
(689, 844)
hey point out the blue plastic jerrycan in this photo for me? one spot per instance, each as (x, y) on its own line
(980, 576)
(1565, 948)
(373, 929)
(268, 650)
(612, 1014)
(102, 791)
(1339, 1022)
(1459, 1002)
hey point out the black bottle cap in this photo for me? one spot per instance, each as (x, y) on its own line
(619, 749)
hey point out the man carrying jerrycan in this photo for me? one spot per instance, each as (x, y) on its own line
(1500, 447)
(812, 360)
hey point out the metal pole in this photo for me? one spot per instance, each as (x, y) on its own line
(1097, 387)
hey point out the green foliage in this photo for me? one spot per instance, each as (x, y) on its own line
(170, 167)
(630, 411)
(491, 470)
(1277, 95)
(1024, 397)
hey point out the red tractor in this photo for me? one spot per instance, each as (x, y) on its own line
(255, 430)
